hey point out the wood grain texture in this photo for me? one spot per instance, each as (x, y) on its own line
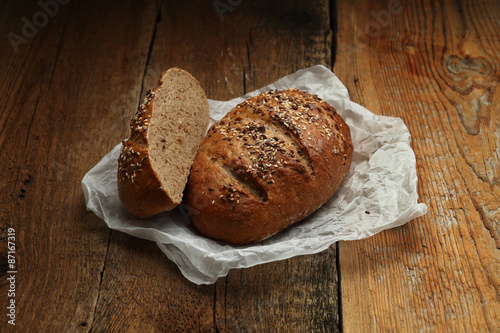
(57, 121)
(67, 95)
(435, 65)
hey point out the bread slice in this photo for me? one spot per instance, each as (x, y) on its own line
(155, 161)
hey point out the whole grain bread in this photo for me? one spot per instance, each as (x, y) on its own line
(270, 162)
(167, 128)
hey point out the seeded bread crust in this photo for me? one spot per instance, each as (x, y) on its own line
(140, 190)
(269, 163)
(139, 186)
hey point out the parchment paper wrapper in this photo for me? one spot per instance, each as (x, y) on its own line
(379, 192)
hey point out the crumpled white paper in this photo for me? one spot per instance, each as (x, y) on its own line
(379, 192)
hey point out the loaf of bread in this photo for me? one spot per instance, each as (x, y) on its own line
(166, 132)
(269, 163)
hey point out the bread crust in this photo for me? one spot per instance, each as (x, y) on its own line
(270, 162)
(139, 186)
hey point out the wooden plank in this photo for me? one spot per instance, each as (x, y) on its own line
(299, 294)
(81, 67)
(27, 65)
(141, 289)
(435, 66)
(230, 52)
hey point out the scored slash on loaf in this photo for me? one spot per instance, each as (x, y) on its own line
(269, 163)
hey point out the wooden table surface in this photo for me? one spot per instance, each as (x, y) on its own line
(73, 73)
